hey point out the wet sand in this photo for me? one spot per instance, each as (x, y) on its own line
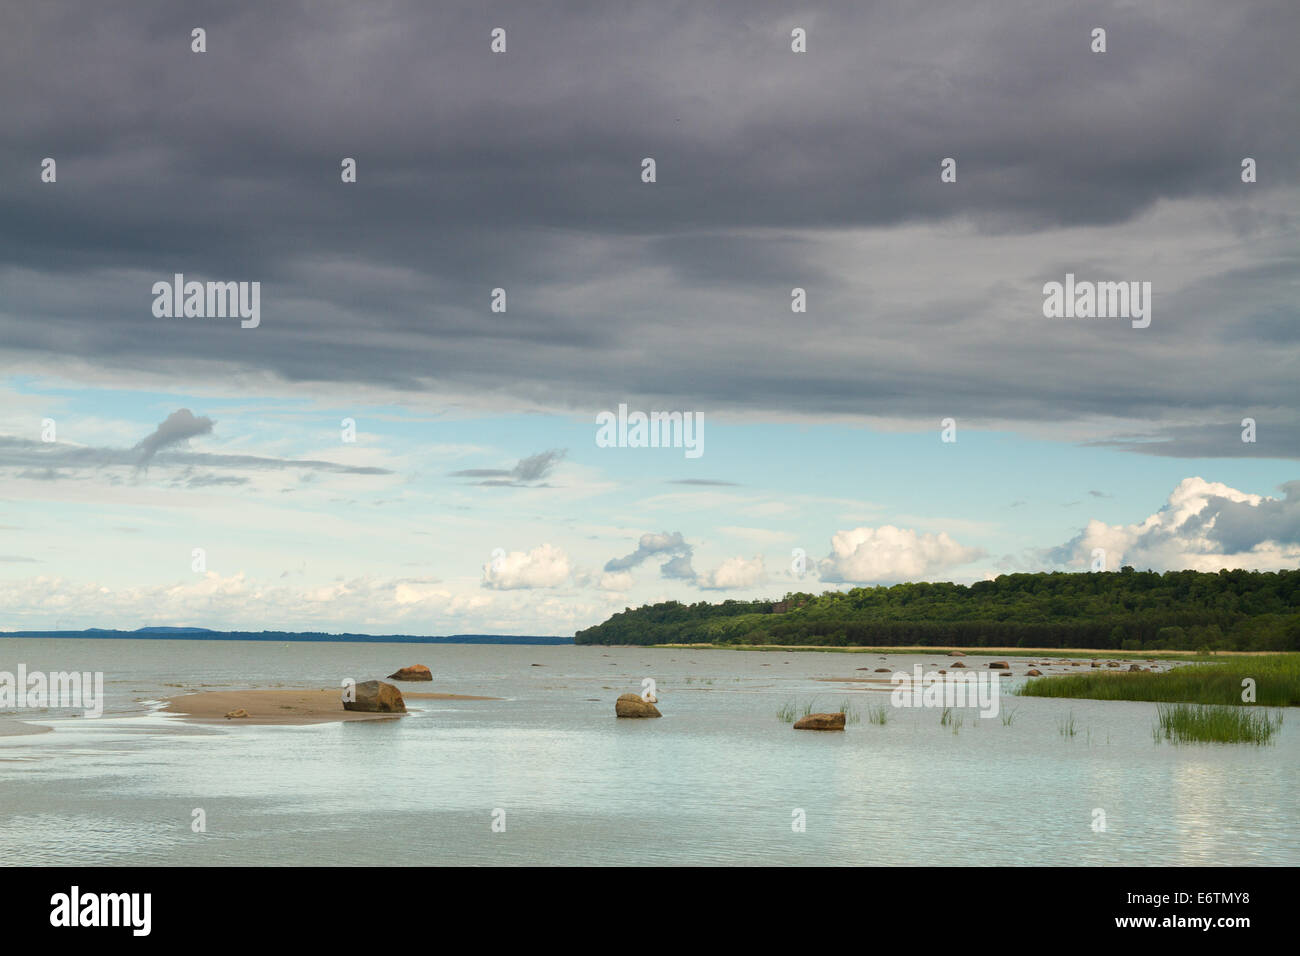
(283, 706)
(17, 728)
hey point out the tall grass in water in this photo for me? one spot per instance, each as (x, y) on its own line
(851, 715)
(1225, 725)
(786, 714)
(1276, 679)
(1066, 726)
(878, 714)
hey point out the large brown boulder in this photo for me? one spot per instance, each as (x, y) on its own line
(414, 672)
(374, 696)
(820, 722)
(631, 705)
(1033, 672)
(957, 654)
(999, 665)
(958, 664)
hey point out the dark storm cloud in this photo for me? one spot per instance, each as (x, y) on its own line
(521, 171)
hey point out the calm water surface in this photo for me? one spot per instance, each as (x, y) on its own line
(715, 781)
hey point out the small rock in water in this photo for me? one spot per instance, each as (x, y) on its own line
(820, 722)
(414, 672)
(631, 705)
(240, 712)
(1033, 672)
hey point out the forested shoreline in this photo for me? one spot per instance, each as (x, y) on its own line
(1120, 610)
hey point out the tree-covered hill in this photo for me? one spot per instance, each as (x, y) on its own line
(1121, 610)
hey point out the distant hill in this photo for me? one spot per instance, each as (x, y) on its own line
(1120, 610)
(206, 634)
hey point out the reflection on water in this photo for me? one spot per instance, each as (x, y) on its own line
(714, 781)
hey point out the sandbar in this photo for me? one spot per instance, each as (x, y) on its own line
(283, 706)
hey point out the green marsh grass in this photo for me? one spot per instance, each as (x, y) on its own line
(1276, 679)
(1204, 723)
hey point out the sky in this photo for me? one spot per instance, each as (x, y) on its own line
(394, 446)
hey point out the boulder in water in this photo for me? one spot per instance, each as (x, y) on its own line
(374, 696)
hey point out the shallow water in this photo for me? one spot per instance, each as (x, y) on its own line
(715, 781)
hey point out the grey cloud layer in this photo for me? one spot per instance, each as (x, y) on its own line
(522, 171)
(50, 461)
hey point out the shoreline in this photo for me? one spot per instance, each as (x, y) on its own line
(1082, 652)
(283, 707)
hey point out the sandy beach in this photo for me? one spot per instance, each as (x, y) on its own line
(304, 706)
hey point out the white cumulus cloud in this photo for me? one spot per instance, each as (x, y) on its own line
(888, 554)
(1204, 526)
(734, 573)
(546, 566)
